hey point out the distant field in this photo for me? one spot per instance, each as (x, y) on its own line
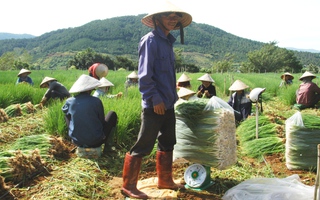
(270, 81)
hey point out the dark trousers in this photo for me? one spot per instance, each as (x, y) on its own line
(111, 121)
(153, 127)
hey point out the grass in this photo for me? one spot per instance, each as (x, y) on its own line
(77, 178)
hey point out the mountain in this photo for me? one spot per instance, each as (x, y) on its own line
(5, 36)
(120, 36)
(303, 50)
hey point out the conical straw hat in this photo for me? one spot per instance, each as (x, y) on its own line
(105, 82)
(133, 75)
(24, 71)
(84, 83)
(184, 78)
(46, 80)
(238, 85)
(307, 74)
(163, 7)
(287, 74)
(185, 92)
(101, 70)
(206, 77)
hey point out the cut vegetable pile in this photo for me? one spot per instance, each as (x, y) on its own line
(302, 139)
(205, 132)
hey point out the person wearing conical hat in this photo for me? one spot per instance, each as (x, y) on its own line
(132, 79)
(286, 79)
(88, 126)
(308, 93)
(206, 89)
(157, 85)
(23, 77)
(98, 70)
(55, 90)
(239, 101)
(184, 81)
(184, 95)
(102, 90)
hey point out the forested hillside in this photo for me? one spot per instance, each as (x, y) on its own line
(119, 36)
(5, 36)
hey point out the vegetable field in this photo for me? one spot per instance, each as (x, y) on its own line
(37, 160)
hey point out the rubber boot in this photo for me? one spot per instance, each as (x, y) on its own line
(109, 142)
(131, 170)
(164, 171)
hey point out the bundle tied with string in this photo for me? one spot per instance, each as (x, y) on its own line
(206, 133)
(302, 139)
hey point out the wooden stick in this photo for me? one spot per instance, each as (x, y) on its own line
(317, 176)
(257, 120)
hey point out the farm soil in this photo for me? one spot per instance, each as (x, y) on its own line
(276, 162)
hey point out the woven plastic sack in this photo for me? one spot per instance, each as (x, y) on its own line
(301, 144)
(206, 133)
(289, 188)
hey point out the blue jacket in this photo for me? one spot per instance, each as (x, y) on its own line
(87, 120)
(156, 72)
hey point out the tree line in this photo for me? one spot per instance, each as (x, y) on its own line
(206, 48)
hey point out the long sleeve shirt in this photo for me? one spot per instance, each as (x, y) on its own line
(26, 79)
(241, 104)
(56, 90)
(307, 93)
(86, 120)
(157, 78)
(211, 89)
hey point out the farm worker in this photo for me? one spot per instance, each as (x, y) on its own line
(239, 101)
(88, 126)
(23, 77)
(184, 81)
(206, 89)
(98, 70)
(184, 95)
(308, 93)
(102, 90)
(286, 79)
(132, 79)
(55, 90)
(157, 85)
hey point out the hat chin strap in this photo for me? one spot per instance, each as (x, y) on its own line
(181, 33)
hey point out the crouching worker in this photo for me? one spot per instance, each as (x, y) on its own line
(308, 93)
(87, 124)
(55, 90)
(239, 101)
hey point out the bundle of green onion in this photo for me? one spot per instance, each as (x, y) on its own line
(302, 141)
(205, 136)
(267, 141)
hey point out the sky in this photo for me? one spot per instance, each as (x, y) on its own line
(290, 23)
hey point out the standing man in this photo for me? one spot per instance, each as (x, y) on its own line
(157, 85)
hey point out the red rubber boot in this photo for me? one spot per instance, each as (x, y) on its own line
(164, 171)
(131, 169)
